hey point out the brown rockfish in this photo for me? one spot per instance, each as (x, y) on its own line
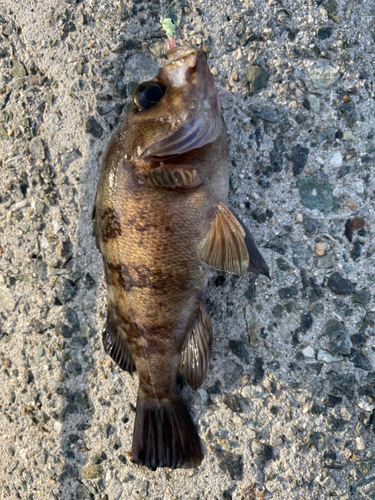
(160, 221)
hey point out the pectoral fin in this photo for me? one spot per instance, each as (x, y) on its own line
(229, 246)
(194, 359)
(257, 264)
(195, 134)
(224, 247)
(164, 176)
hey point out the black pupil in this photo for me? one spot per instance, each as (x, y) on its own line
(148, 94)
(153, 94)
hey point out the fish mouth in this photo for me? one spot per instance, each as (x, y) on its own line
(181, 64)
(181, 54)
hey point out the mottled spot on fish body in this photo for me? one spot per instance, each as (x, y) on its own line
(115, 275)
(110, 225)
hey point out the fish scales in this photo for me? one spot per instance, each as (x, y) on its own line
(160, 222)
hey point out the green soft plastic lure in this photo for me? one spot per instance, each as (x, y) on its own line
(169, 27)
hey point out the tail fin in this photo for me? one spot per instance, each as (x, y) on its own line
(165, 435)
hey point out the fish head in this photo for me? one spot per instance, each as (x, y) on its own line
(186, 114)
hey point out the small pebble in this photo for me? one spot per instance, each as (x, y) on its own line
(357, 223)
(359, 187)
(93, 127)
(317, 195)
(340, 285)
(345, 414)
(308, 352)
(58, 426)
(323, 75)
(231, 464)
(115, 490)
(327, 357)
(360, 443)
(366, 406)
(91, 472)
(257, 77)
(329, 484)
(261, 450)
(336, 159)
(320, 248)
(325, 32)
(254, 391)
(325, 262)
(314, 103)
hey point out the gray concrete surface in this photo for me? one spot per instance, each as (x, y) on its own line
(287, 410)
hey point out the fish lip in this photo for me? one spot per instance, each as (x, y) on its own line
(180, 52)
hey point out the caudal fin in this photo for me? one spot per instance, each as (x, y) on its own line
(165, 435)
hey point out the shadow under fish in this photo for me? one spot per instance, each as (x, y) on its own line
(160, 221)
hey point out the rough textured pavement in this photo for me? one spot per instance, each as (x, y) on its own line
(287, 410)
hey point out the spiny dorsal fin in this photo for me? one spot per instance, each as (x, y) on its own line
(163, 176)
(224, 247)
(194, 359)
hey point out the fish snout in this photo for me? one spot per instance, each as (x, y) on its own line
(180, 65)
(187, 66)
(178, 53)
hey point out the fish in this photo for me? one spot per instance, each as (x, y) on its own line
(161, 221)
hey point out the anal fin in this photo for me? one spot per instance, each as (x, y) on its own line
(194, 360)
(224, 247)
(177, 177)
(114, 341)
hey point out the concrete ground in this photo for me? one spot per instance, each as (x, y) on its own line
(287, 410)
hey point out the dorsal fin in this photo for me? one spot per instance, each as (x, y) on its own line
(95, 231)
(114, 340)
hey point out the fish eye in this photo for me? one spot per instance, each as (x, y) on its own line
(147, 94)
